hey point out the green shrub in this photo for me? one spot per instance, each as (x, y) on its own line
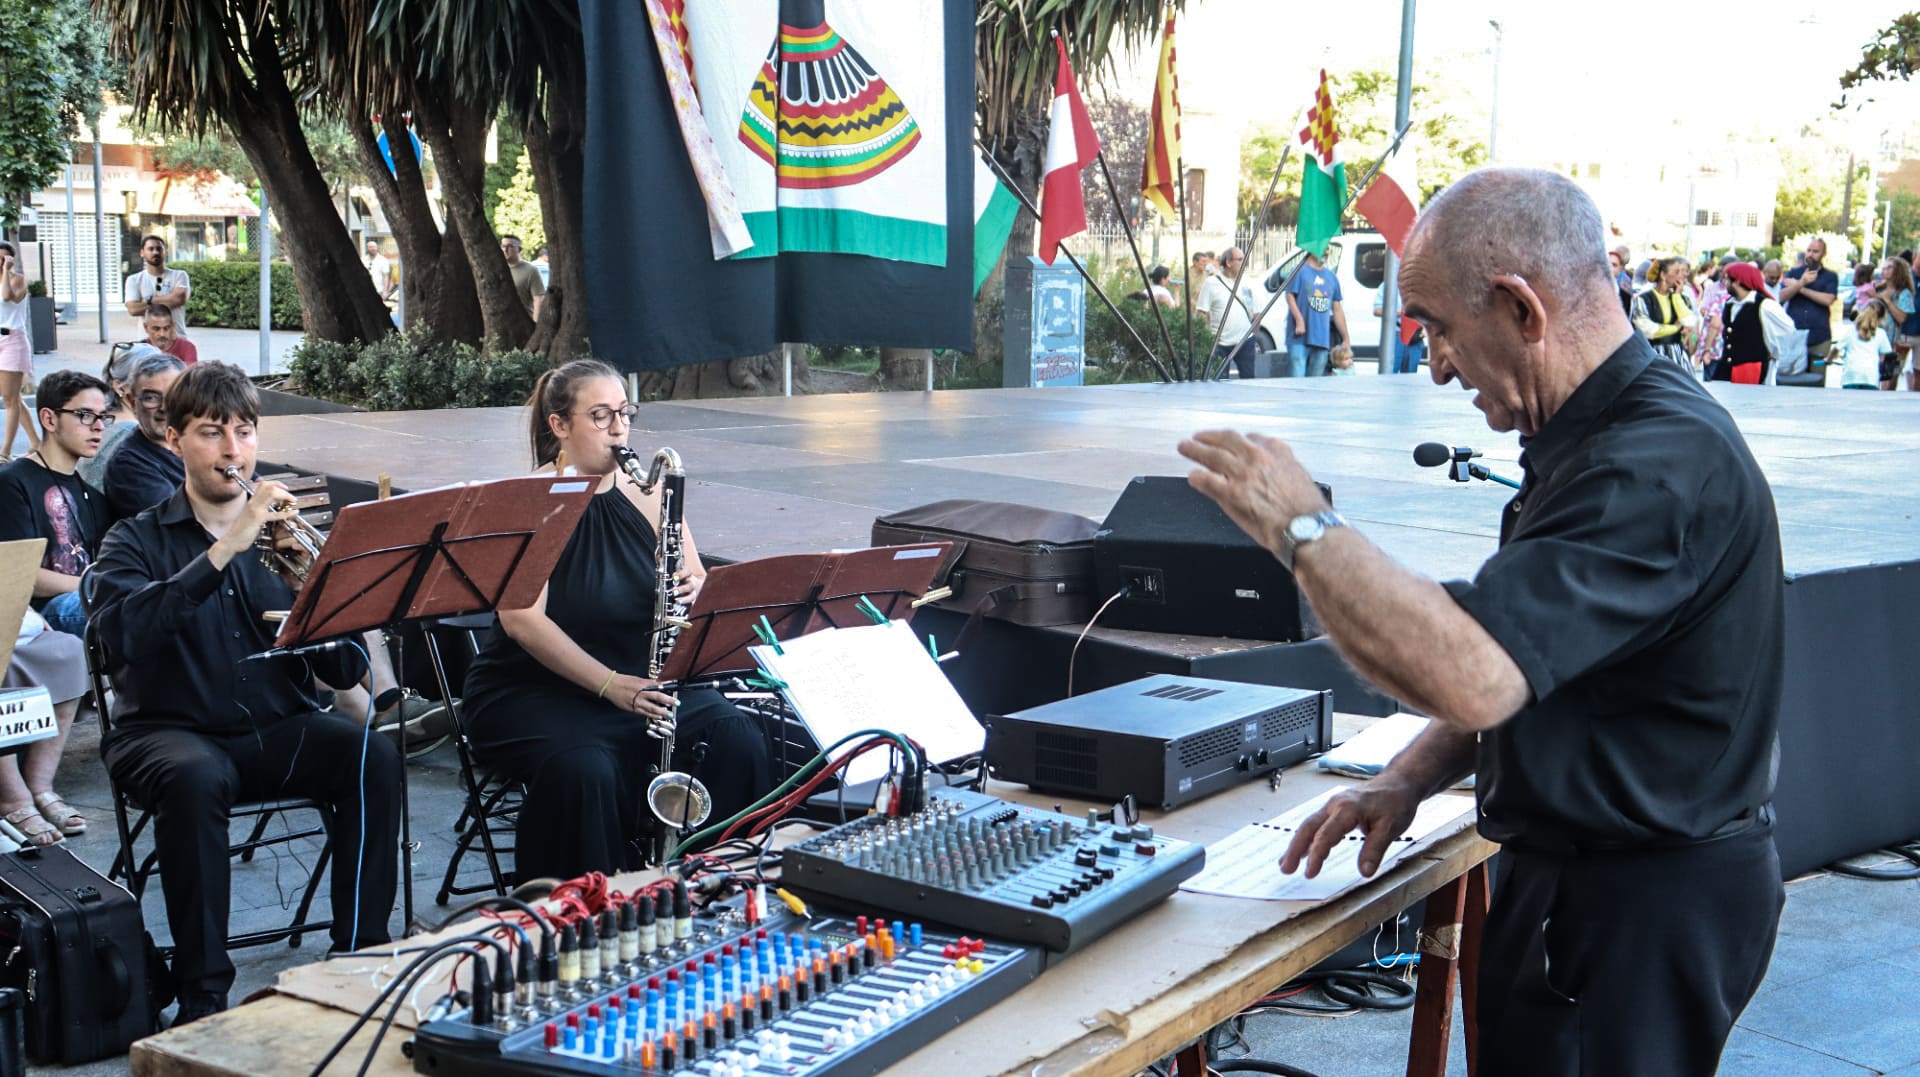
(411, 371)
(227, 294)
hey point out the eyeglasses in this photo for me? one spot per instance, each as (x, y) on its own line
(603, 416)
(152, 399)
(87, 416)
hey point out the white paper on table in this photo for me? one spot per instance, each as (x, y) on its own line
(1368, 752)
(1246, 863)
(840, 680)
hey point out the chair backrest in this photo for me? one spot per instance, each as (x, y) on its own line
(97, 665)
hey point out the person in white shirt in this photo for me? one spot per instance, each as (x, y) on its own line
(16, 353)
(157, 286)
(1863, 347)
(1228, 315)
(379, 270)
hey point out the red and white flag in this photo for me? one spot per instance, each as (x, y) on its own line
(1071, 146)
(1388, 202)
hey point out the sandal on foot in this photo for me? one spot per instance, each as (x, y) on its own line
(56, 811)
(33, 827)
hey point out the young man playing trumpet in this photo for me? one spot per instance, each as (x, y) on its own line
(178, 594)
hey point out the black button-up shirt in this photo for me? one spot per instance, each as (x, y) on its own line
(140, 475)
(1639, 588)
(177, 630)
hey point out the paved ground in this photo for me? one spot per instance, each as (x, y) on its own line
(1836, 1003)
(81, 349)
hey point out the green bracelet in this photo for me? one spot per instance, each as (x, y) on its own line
(602, 693)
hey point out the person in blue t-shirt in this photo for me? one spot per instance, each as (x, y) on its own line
(1313, 311)
(1808, 292)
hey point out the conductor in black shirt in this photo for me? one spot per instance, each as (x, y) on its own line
(1612, 673)
(177, 597)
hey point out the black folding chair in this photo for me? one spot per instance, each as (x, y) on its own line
(131, 818)
(493, 801)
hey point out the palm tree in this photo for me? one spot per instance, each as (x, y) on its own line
(198, 63)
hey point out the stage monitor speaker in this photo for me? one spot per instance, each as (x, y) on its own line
(1189, 569)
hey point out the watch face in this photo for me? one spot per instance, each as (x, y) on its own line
(1305, 529)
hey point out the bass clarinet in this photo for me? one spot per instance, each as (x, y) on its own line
(676, 798)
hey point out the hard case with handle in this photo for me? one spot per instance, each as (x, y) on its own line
(76, 945)
(1012, 562)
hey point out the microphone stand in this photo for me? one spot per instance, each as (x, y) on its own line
(1463, 470)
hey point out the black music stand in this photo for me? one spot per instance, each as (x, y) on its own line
(796, 594)
(439, 553)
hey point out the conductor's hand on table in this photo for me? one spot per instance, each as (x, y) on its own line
(1255, 479)
(1380, 810)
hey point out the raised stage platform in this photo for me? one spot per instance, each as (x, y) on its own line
(773, 475)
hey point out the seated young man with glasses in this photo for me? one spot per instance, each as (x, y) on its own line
(178, 597)
(143, 471)
(42, 497)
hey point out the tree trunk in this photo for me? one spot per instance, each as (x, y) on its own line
(1023, 159)
(905, 368)
(337, 299)
(462, 181)
(434, 276)
(558, 159)
(753, 375)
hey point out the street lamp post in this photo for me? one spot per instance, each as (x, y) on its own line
(1493, 123)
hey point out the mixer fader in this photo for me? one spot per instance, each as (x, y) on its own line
(789, 997)
(1005, 870)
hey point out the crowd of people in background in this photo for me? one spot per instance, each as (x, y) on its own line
(1725, 319)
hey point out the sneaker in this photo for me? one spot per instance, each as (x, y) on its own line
(426, 721)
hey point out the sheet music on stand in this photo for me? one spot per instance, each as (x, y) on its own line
(840, 680)
(1246, 863)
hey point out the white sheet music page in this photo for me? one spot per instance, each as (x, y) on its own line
(1246, 863)
(840, 680)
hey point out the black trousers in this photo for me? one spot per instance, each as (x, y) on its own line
(192, 779)
(585, 763)
(1626, 963)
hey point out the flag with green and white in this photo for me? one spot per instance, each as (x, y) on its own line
(994, 211)
(1323, 184)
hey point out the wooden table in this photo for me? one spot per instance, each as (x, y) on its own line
(1145, 991)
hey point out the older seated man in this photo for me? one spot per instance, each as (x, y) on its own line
(143, 471)
(162, 333)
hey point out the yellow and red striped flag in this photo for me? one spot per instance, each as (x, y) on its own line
(1158, 179)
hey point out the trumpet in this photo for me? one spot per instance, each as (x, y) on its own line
(306, 538)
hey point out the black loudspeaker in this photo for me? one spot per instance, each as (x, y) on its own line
(1189, 569)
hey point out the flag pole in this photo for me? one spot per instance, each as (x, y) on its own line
(1027, 204)
(1246, 259)
(1126, 225)
(1180, 172)
(1392, 148)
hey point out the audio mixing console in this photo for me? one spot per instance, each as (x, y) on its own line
(1002, 869)
(789, 997)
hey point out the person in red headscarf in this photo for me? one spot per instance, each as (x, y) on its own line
(1746, 353)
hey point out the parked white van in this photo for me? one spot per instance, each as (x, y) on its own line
(1359, 259)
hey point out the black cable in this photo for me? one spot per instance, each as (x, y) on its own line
(1259, 1065)
(1355, 988)
(539, 918)
(412, 966)
(393, 1011)
(1909, 851)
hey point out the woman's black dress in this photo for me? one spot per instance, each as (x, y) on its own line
(584, 760)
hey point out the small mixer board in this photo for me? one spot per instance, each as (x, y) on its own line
(788, 997)
(1002, 869)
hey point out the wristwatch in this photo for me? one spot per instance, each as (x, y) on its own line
(1304, 529)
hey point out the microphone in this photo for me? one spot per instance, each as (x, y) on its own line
(1460, 457)
(1434, 454)
(328, 647)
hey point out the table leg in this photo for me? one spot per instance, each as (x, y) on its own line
(1191, 1060)
(1433, 997)
(1472, 926)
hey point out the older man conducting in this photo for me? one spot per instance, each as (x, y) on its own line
(1612, 673)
